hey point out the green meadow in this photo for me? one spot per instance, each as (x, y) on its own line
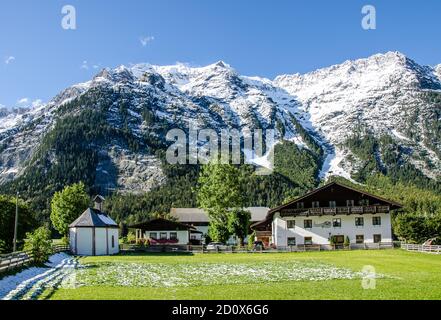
(309, 275)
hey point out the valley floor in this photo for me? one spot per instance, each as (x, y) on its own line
(310, 275)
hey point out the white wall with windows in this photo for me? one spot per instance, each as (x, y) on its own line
(366, 228)
(181, 235)
(233, 240)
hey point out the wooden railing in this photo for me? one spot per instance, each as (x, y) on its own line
(11, 261)
(421, 248)
(127, 249)
(334, 211)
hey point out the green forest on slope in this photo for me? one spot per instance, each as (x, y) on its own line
(69, 154)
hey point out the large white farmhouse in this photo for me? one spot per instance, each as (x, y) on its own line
(333, 214)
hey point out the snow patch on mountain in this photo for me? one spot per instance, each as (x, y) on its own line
(330, 94)
(376, 93)
(335, 164)
(438, 71)
(379, 93)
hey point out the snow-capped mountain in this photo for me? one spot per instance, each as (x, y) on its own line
(383, 95)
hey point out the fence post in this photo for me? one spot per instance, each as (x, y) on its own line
(10, 262)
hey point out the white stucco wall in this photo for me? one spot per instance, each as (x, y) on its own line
(81, 241)
(72, 237)
(182, 235)
(320, 235)
(100, 242)
(115, 234)
(84, 241)
(204, 229)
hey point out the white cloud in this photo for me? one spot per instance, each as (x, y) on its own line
(9, 59)
(145, 40)
(26, 102)
(85, 65)
(23, 101)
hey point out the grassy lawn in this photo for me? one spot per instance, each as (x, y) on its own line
(403, 275)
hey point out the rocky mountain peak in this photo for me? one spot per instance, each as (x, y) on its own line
(4, 111)
(121, 74)
(385, 94)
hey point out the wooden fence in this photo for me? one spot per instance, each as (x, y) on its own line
(18, 259)
(128, 248)
(421, 248)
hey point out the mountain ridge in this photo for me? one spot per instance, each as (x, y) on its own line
(387, 97)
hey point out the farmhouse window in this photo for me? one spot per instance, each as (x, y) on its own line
(308, 240)
(359, 221)
(291, 241)
(307, 224)
(376, 221)
(163, 235)
(113, 241)
(349, 203)
(339, 239)
(316, 204)
(300, 205)
(336, 223)
(364, 202)
(291, 224)
(377, 238)
(359, 238)
(332, 204)
(173, 235)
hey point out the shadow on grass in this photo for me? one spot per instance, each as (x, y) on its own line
(17, 270)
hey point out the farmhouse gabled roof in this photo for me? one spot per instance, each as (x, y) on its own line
(99, 199)
(394, 205)
(265, 222)
(196, 215)
(189, 215)
(93, 218)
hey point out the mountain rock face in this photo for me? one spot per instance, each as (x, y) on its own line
(383, 111)
(385, 94)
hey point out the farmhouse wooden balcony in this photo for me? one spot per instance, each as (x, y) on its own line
(334, 211)
(267, 233)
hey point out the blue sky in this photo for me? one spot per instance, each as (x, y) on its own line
(266, 38)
